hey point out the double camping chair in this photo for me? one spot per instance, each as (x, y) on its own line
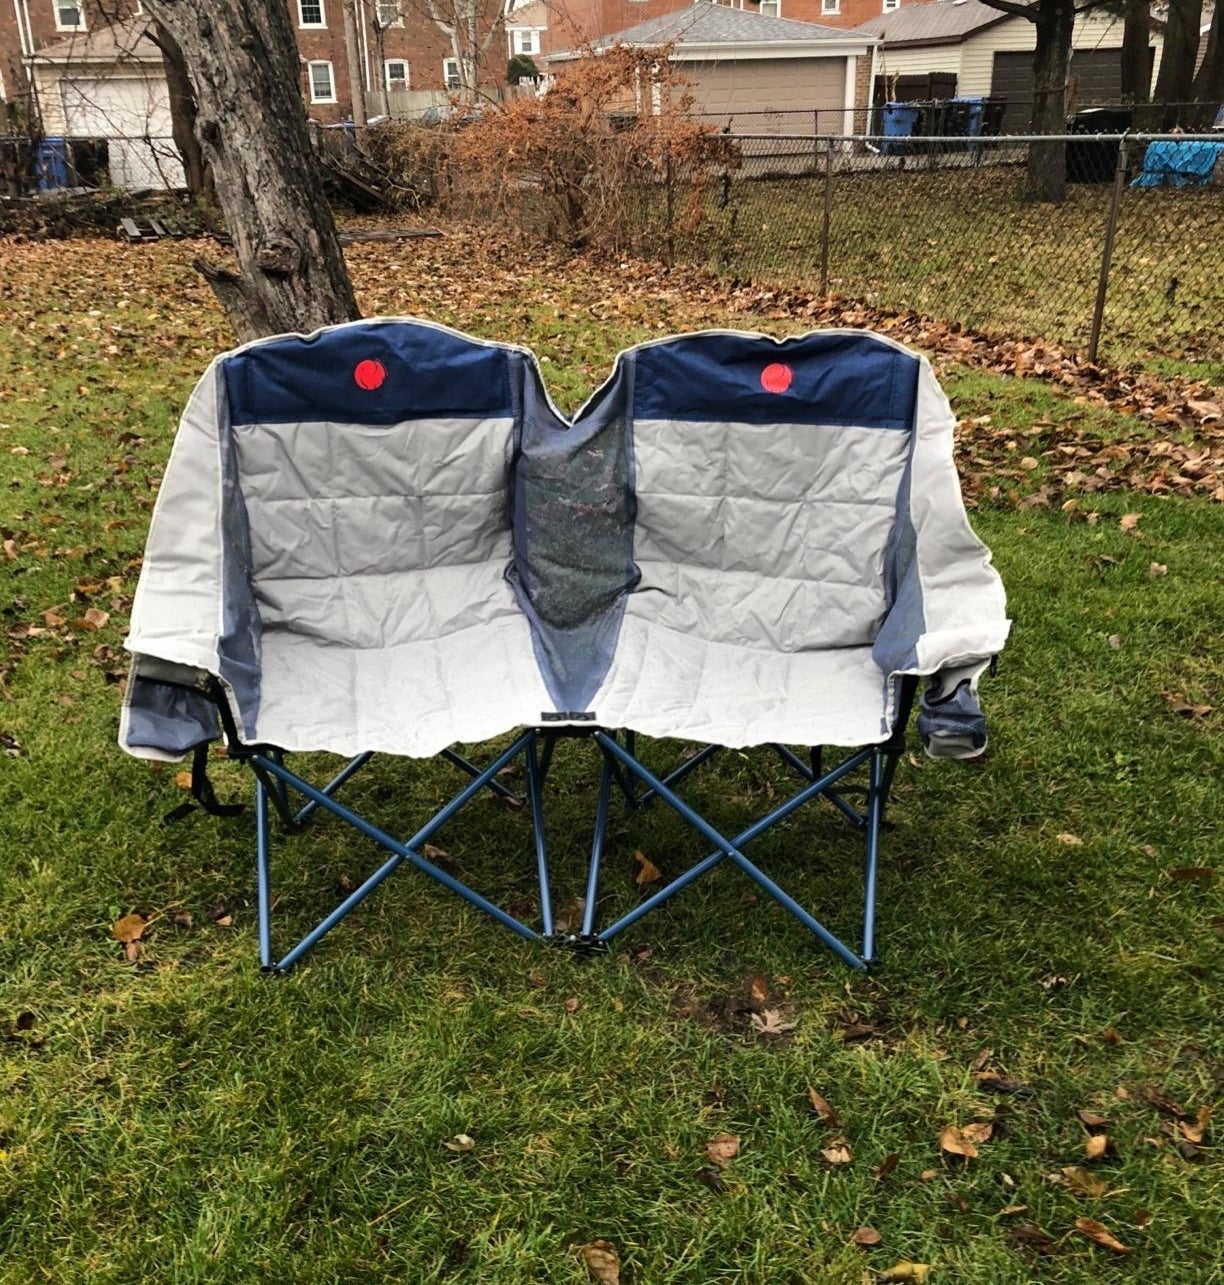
(384, 538)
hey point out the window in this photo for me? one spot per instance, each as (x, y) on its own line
(890, 5)
(830, 6)
(322, 88)
(771, 8)
(524, 41)
(450, 73)
(387, 14)
(310, 13)
(396, 71)
(69, 17)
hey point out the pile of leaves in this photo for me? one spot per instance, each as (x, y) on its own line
(588, 164)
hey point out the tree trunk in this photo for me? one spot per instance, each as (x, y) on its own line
(182, 112)
(1046, 177)
(352, 51)
(1209, 83)
(1175, 81)
(242, 61)
(1136, 55)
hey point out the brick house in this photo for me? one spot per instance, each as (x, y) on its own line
(398, 47)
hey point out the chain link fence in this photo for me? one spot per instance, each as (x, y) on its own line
(1130, 265)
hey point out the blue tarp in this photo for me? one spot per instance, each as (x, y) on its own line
(1172, 164)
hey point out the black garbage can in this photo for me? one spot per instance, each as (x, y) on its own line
(1094, 160)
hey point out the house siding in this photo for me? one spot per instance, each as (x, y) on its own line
(1092, 31)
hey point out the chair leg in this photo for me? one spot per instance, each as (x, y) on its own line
(273, 779)
(588, 935)
(263, 875)
(535, 783)
(730, 848)
(875, 816)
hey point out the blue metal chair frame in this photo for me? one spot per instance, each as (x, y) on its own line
(276, 785)
(621, 764)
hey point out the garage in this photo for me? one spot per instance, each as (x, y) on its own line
(133, 114)
(794, 84)
(764, 75)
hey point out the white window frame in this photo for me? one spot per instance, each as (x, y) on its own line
(516, 41)
(331, 80)
(397, 21)
(830, 8)
(446, 75)
(387, 77)
(321, 25)
(60, 24)
(891, 6)
(774, 11)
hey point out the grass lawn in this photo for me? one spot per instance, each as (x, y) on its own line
(1050, 920)
(962, 246)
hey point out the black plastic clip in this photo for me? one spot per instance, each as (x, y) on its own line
(202, 791)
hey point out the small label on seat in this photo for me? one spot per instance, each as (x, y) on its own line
(567, 716)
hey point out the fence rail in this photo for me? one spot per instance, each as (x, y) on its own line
(1128, 267)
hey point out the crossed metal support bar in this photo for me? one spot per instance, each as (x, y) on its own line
(731, 849)
(276, 786)
(273, 783)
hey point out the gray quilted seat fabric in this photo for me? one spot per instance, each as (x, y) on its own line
(385, 537)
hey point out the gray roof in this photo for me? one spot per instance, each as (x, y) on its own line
(934, 22)
(716, 24)
(107, 42)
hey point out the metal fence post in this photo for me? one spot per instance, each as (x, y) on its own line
(1111, 229)
(828, 210)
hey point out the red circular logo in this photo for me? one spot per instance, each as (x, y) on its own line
(776, 377)
(370, 374)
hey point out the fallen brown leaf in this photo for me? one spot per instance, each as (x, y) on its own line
(1030, 1236)
(838, 1152)
(1091, 1120)
(1079, 1180)
(602, 1261)
(461, 1143)
(649, 872)
(1197, 1131)
(1100, 1234)
(573, 1004)
(1162, 1102)
(1192, 872)
(712, 1179)
(1188, 709)
(954, 1141)
(93, 618)
(905, 1272)
(1129, 521)
(130, 928)
(866, 1236)
(758, 989)
(769, 1023)
(1097, 1146)
(722, 1149)
(823, 1109)
(886, 1166)
(1071, 840)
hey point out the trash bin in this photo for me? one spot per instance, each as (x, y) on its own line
(993, 111)
(52, 164)
(1095, 161)
(899, 122)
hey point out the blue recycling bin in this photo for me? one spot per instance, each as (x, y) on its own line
(899, 121)
(968, 116)
(53, 164)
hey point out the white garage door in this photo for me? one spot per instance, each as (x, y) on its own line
(134, 115)
(765, 92)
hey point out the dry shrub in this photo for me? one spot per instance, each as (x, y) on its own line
(607, 153)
